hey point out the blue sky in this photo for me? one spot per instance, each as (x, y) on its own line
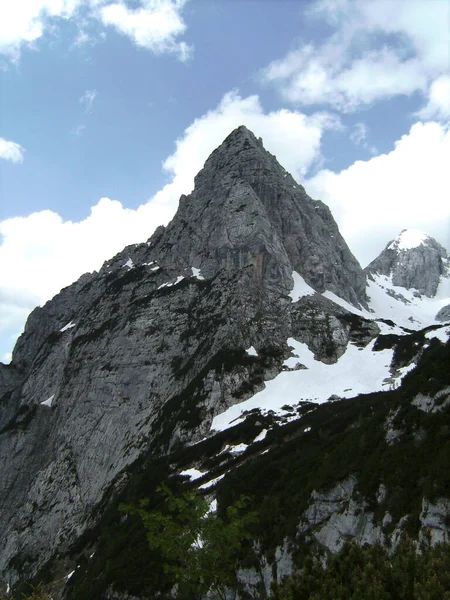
(108, 108)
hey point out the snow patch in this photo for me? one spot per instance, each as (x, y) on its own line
(49, 401)
(238, 449)
(196, 273)
(341, 302)
(68, 326)
(128, 264)
(251, 351)
(407, 308)
(193, 474)
(169, 284)
(442, 334)
(386, 329)
(261, 435)
(358, 371)
(301, 288)
(407, 239)
(205, 486)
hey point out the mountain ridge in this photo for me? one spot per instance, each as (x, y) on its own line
(143, 357)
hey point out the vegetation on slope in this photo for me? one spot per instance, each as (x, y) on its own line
(372, 573)
(346, 438)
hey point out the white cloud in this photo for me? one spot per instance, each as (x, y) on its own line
(87, 100)
(78, 130)
(438, 106)
(42, 253)
(22, 22)
(152, 24)
(378, 49)
(409, 187)
(155, 25)
(358, 136)
(11, 151)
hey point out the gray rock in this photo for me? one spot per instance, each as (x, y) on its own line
(335, 516)
(156, 349)
(420, 267)
(432, 404)
(434, 520)
(444, 314)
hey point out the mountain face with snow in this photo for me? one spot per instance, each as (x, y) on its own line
(413, 260)
(218, 337)
(412, 272)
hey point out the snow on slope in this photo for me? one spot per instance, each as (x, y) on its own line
(414, 311)
(417, 312)
(301, 288)
(358, 371)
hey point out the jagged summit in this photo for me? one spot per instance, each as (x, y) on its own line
(414, 260)
(409, 238)
(248, 212)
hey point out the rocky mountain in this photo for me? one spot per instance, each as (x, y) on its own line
(413, 260)
(213, 349)
(413, 271)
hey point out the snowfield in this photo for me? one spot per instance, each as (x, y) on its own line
(358, 371)
(417, 312)
(414, 311)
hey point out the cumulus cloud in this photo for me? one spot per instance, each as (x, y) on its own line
(438, 105)
(152, 24)
(155, 25)
(377, 50)
(23, 22)
(11, 151)
(407, 188)
(42, 253)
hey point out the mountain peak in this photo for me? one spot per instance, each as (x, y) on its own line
(408, 239)
(414, 260)
(247, 210)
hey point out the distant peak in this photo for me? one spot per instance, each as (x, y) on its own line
(408, 239)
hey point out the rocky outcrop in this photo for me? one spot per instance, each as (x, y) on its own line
(434, 521)
(414, 261)
(327, 328)
(341, 515)
(444, 314)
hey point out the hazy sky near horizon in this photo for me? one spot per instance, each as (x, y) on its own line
(108, 108)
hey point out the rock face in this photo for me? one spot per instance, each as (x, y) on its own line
(444, 314)
(133, 357)
(414, 260)
(247, 211)
(137, 360)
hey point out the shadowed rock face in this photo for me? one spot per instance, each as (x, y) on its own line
(419, 267)
(142, 365)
